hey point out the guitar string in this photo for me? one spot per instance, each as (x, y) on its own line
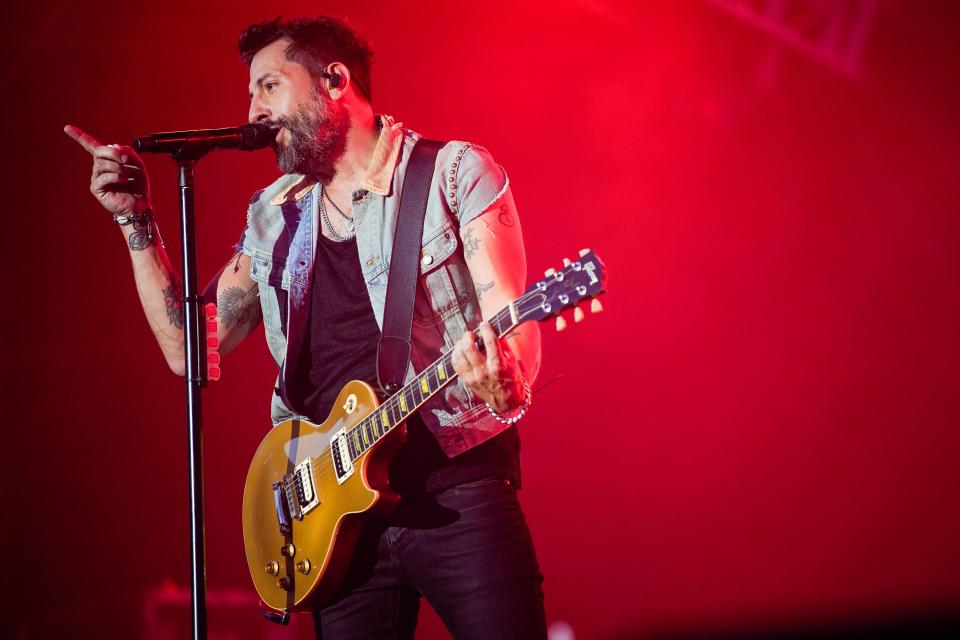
(323, 466)
(325, 454)
(319, 462)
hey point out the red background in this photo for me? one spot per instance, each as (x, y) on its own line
(759, 433)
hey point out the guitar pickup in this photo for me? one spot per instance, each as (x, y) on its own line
(340, 454)
(304, 488)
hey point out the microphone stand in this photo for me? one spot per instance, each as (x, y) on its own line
(186, 148)
(196, 378)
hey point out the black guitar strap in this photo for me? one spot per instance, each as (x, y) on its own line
(393, 352)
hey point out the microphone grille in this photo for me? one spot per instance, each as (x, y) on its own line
(256, 136)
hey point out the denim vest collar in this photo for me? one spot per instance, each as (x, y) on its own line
(379, 174)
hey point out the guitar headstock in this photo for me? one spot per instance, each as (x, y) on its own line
(577, 281)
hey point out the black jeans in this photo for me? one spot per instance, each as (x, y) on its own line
(466, 549)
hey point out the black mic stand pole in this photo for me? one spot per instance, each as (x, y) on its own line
(187, 147)
(196, 378)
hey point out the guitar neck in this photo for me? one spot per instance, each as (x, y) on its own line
(415, 393)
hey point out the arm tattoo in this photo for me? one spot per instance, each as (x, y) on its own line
(173, 299)
(470, 243)
(505, 217)
(235, 308)
(482, 288)
(142, 236)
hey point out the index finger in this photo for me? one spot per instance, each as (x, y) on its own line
(86, 140)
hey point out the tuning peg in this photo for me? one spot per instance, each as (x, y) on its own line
(595, 306)
(561, 323)
(549, 272)
(578, 314)
(213, 373)
(584, 252)
(566, 262)
(210, 310)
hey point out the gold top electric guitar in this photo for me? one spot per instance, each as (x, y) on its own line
(310, 486)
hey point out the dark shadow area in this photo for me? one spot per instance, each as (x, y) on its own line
(929, 624)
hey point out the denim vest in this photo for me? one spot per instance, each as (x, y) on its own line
(281, 236)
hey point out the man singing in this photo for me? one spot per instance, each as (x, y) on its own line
(313, 263)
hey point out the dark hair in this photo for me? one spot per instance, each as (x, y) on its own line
(314, 43)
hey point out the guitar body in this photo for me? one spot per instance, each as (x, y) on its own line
(296, 567)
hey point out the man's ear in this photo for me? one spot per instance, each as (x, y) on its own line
(336, 79)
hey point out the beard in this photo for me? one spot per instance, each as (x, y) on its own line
(317, 137)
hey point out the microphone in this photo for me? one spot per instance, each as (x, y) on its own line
(246, 137)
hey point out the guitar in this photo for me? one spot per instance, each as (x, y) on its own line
(310, 487)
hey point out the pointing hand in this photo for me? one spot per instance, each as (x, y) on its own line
(119, 180)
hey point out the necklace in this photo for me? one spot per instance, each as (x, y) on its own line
(326, 219)
(336, 208)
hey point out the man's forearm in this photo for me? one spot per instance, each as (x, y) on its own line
(159, 287)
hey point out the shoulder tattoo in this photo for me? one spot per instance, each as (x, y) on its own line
(505, 216)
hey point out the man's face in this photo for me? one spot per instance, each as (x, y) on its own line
(313, 127)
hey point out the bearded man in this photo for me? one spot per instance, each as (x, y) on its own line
(312, 264)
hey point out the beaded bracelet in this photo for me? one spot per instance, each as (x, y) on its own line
(527, 401)
(132, 218)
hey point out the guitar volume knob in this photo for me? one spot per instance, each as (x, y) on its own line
(304, 566)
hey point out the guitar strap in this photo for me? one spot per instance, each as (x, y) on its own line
(393, 351)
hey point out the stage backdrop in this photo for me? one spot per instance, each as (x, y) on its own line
(759, 432)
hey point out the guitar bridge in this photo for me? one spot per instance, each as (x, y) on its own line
(280, 505)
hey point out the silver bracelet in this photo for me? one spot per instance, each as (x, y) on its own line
(527, 401)
(132, 218)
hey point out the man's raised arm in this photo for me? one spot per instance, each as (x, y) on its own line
(120, 183)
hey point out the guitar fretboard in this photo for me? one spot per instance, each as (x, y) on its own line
(415, 393)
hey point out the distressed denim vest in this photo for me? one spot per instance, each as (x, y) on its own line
(281, 236)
